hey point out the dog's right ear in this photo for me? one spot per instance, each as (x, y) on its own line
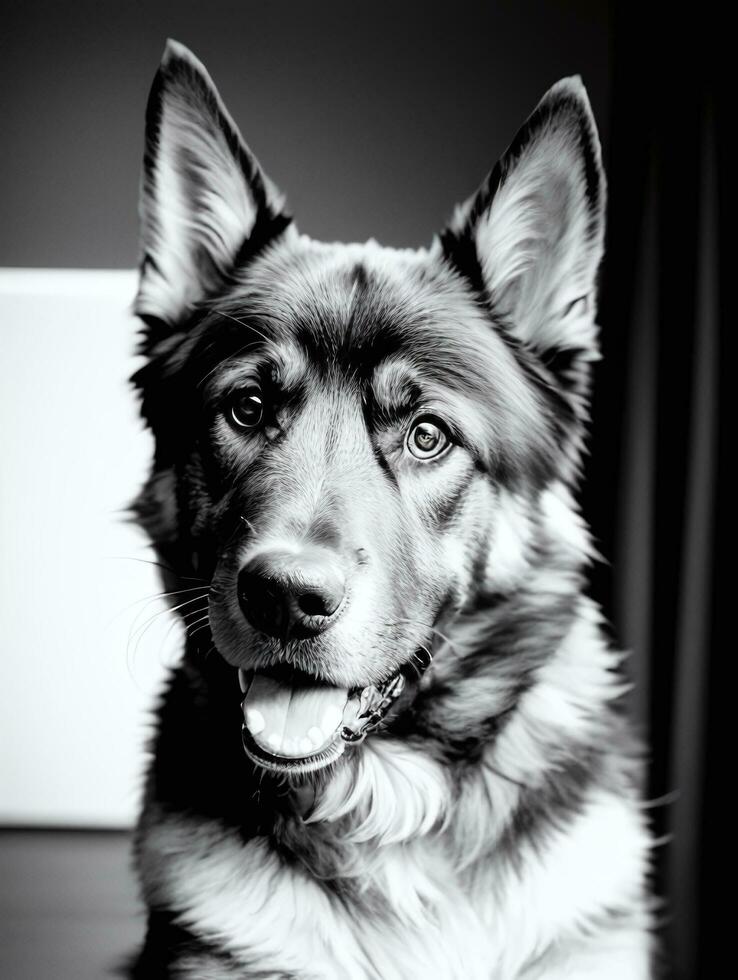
(205, 202)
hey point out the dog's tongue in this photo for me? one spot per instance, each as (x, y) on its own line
(293, 721)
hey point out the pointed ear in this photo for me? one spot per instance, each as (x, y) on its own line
(204, 198)
(531, 238)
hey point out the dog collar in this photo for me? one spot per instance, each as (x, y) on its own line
(375, 703)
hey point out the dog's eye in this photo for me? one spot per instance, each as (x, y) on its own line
(425, 440)
(247, 407)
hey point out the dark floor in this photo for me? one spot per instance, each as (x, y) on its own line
(68, 904)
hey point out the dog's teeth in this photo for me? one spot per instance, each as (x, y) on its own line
(331, 721)
(316, 736)
(242, 680)
(275, 741)
(254, 721)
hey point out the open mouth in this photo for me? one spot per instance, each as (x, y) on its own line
(296, 724)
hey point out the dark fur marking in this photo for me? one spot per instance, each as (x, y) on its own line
(565, 364)
(520, 633)
(562, 414)
(265, 232)
(544, 809)
(198, 765)
(167, 943)
(384, 465)
(327, 347)
(447, 508)
(169, 946)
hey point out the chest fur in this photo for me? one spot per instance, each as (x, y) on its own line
(406, 909)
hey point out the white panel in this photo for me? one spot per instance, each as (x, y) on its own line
(77, 667)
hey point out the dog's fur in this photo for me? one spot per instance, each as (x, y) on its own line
(491, 827)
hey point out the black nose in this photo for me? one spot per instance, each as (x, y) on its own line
(291, 594)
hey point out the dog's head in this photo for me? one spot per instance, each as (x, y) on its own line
(347, 435)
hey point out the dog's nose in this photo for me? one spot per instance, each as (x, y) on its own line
(291, 594)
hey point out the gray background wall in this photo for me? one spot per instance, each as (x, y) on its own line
(374, 118)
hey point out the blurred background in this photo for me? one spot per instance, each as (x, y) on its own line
(375, 119)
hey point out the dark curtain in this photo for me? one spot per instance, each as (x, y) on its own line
(652, 489)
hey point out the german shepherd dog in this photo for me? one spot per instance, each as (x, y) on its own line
(393, 747)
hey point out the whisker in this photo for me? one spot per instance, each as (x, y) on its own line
(158, 564)
(173, 624)
(166, 609)
(204, 624)
(148, 599)
(182, 621)
(243, 323)
(426, 626)
(234, 532)
(136, 635)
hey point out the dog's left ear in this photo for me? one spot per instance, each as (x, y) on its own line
(531, 239)
(205, 201)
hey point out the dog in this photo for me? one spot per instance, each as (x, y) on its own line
(395, 745)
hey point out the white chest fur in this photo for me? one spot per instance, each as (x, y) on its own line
(544, 914)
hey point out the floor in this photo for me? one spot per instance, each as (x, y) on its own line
(68, 904)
